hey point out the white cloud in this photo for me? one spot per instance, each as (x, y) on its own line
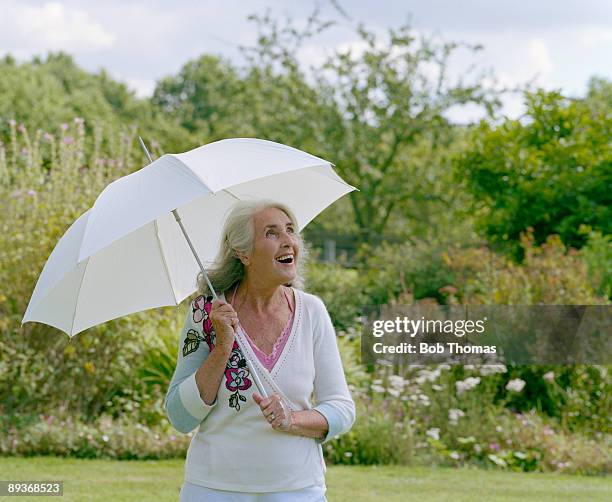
(593, 36)
(539, 57)
(36, 29)
(143, 87)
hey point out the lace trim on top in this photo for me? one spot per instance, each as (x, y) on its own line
(269, 360)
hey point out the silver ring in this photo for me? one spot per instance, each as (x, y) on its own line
(272, 416)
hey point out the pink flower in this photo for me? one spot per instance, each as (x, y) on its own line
(31, 193)
(68, 140)
(236, 379)
(64, 127)
(201, 311)
(12, 122)
(47, 137)
(494, 446)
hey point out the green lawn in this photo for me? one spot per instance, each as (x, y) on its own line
(104, 480)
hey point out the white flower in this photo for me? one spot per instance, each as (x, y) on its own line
(428, 376)
(394, 392)
(495, 459)
(491, 369)
(424, 399)
(515, 385)
(454, 455)
(520, 454)
(105, 438)
(468, 366)
(378, 388)
(549, 377)
(467, 384)
(397, 382)
(433, 433)
(455, 414)
(436, 387)
(470, 439)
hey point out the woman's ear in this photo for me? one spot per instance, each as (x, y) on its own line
(243, 258)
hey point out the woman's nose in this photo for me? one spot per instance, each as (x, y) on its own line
(286, 239)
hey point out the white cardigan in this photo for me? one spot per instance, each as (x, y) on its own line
(235, 448)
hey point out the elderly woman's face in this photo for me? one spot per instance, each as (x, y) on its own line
(276, 248)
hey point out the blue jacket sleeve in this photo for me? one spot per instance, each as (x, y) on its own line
(184, 407)
(332, 396)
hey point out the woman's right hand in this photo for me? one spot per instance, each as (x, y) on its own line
(225, 321)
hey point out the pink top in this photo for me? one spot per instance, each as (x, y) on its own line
(269, 360)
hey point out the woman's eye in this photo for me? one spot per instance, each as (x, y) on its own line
(289, 230)
(270, 233)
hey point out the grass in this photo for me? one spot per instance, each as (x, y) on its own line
(131, 481)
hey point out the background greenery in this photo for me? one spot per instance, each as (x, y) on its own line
(499, 212)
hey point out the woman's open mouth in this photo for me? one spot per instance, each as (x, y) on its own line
(286, 259)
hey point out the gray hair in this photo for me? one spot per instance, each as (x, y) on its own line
(238, 235)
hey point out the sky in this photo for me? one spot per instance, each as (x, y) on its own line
(555, 44)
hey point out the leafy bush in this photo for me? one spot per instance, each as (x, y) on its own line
(46, 182)
(405, 272)
(340, 288)
(550, 275)
(598, 256)
(105, 438)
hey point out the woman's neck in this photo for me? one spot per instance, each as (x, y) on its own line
(257, 297)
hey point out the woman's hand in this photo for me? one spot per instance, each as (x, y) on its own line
(274, 411)
(225, 321)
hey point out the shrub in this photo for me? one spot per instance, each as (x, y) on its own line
(46, 182)
(340, 288)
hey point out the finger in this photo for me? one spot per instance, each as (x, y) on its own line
(273, 411)
(277, 422)
(218, 303)
(225, 307)
(257, 398)
(266, 405)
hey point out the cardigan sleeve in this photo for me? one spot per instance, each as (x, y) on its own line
(332, 396)
(184, 406)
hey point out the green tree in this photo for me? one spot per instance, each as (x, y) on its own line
(551, 170)
(47, 92)
(376, 113)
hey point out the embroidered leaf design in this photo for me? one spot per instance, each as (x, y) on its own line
(241, 397)
(192, 342)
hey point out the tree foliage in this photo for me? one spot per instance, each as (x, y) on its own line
(550, 170)
(47, 92)
(376, 112)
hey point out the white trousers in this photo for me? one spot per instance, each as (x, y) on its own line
(196, 493)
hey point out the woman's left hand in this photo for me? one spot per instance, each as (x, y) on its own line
(274, 411)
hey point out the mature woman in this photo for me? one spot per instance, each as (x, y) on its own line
(246, 447)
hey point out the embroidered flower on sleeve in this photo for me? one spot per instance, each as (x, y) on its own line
(237, 371)
(236, 380)
(201, 312)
